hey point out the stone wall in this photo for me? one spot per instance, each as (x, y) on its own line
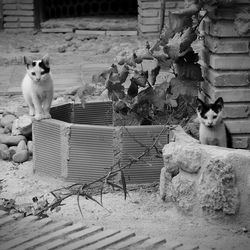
(149, 15)
(227, 69)
(18, 15)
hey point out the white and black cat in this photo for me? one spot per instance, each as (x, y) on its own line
(213, 130)
(37, 87)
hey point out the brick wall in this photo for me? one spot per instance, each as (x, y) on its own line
(149, 15)
(18, 14)
(227, 70)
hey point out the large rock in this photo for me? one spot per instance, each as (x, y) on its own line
(206, 178)
(22, 125)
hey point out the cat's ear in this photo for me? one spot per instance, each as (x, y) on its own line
(27, 61)
(45, 60)
(219, 103)
(200, 104)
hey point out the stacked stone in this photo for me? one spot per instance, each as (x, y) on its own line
(18, 15)
(227, 69)
(150, 15)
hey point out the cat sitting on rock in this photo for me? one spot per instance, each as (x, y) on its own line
(37, 87)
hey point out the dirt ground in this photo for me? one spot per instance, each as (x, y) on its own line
(143, 212)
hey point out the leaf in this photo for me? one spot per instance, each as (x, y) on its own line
(115, 89)
(124, 184)
(140, 78)
(180, 44)
(133, 89)
(178, 21)
(154, 73)
(124, 74)
(121, 107)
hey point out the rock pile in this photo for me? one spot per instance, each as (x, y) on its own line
(15, 137)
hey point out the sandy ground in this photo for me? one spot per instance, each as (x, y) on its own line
(143, 212)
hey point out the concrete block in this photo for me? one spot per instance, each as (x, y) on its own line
(8, 1)
(18, 12)
(150, 5)
(226, 61)
(227, 78)
(90, 32)
(57, 30)
(170, 5)
(222, 28)
(27, 25)
(149, 20)
(240, 94)
(121, 32)
(241, 142)
(26, 1)
(227, 45)
(227, 13)
(11, 25)
(11, 19)
(27, 18)
(9, 7)
(29, 6)
(236, 111)
(149, 13)
(239, 126)
(149, 28)
(17, 30)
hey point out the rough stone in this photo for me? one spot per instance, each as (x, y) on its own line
(30, 147)
(7, 120)
(4, 152)
(12, 150)
(69, 37)
(22, 146)
(22, 125)
(11, 140)
(21, 156)
(217, 187)
(221, 185)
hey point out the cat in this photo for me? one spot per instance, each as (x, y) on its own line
(213, 130)
(37, 87)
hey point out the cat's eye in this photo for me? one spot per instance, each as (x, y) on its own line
(215, 116)
(42, 73)
(33, 73)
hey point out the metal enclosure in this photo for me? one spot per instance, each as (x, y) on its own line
(80, 145)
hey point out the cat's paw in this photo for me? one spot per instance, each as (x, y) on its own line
(46, 116)
(31, 113)
(39, 117)
(42, 116)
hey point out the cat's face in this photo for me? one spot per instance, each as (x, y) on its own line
(210, 114)
(38, 70)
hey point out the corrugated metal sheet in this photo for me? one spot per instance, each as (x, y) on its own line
(84, 152)
(90, 151)
(135, 140)
(97, 113)
(62, 112)
(47, 147)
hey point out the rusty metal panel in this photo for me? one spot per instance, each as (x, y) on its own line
(135, 140)
(96, 113)
(62, 112)
(47, 147)
(90, 152)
